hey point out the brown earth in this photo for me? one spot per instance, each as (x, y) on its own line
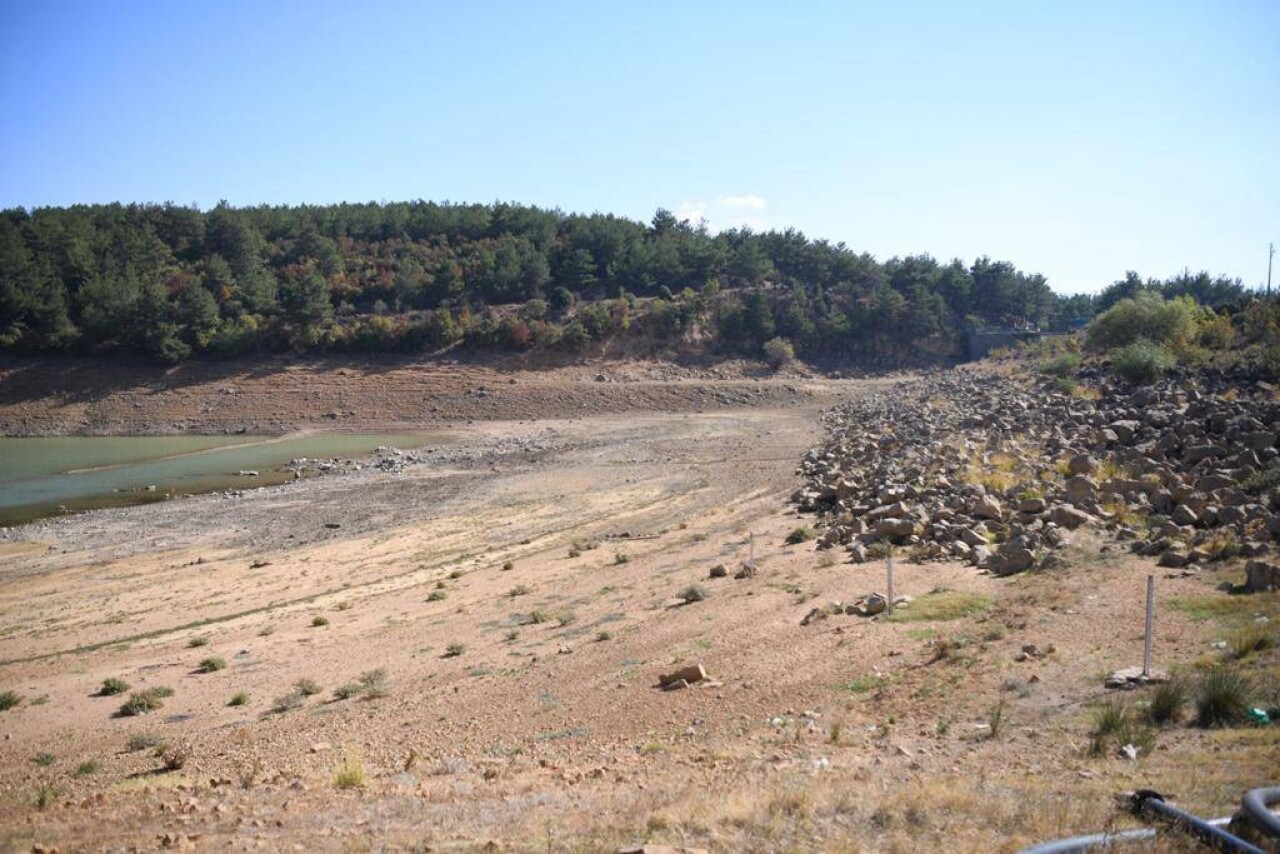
(546, 730)
(84, 396)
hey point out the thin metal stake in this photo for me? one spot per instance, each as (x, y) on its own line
(1146, 639)
(889, 581)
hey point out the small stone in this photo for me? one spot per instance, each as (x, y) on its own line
(688, 675)
(1132, 677)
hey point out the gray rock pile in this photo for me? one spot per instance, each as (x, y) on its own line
(961, 465)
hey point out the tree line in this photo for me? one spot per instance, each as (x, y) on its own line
(175, 282)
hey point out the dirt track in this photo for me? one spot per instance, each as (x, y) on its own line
(82, 396)
(551, 734)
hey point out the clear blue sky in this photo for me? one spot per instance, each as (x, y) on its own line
(1077, 139)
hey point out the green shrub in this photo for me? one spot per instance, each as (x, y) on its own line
(145, 702)
(1142, 361)
(307, 687)
(779, 352)
(1216, 331)
(454, 650)
(197, 642)
(350, 774)
(144, 741)
(46, 795)
(1166, 702)
(288, 702)
(1061, 366)
(112, 686)
(346, 692)
(799, 535)
(1222, 697)
(84, 769)
(319, 622)
(1173, 323)
(9, 699)
(240, 698)
(1255, 637)
(692, 593)
(1114, 725)
(374, 683)
(212, 665)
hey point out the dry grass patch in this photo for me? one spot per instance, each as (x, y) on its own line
(1227, 609)
(942, 605)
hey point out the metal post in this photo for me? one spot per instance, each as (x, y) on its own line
(1271, 253)
(889, 581)
(1146, 635)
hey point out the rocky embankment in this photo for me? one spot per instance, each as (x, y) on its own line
(963, 465)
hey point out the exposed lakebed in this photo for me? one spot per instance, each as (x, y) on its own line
(44, 476)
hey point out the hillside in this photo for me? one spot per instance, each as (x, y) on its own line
(173, 283)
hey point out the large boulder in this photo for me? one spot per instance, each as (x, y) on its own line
(1080, 489)
(1125, 429)
(1010, 561)
(987, 507)
(1082, 464)
(895, 528)
(1066, 516)
(1261, 575)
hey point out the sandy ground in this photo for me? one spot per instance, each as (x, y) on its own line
(522, 595)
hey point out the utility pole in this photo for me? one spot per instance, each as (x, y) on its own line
(1271, 253)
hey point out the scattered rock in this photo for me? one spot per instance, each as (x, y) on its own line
(687, 675)
(1261, 575)
(1131, 677)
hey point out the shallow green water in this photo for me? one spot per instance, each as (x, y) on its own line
(40, 476)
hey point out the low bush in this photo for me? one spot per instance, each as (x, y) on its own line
(374, 683)
(1255, 637)
(799, 535)
(1167, 702)
(692, 593)
(112, 686)
(779, 352)
(1222, 697)
(307, 687)
(350, 774)
(1061, 366)
(1142, 362)
(145, 702)
(346, 692)
(144, 741)
(1174, 323)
